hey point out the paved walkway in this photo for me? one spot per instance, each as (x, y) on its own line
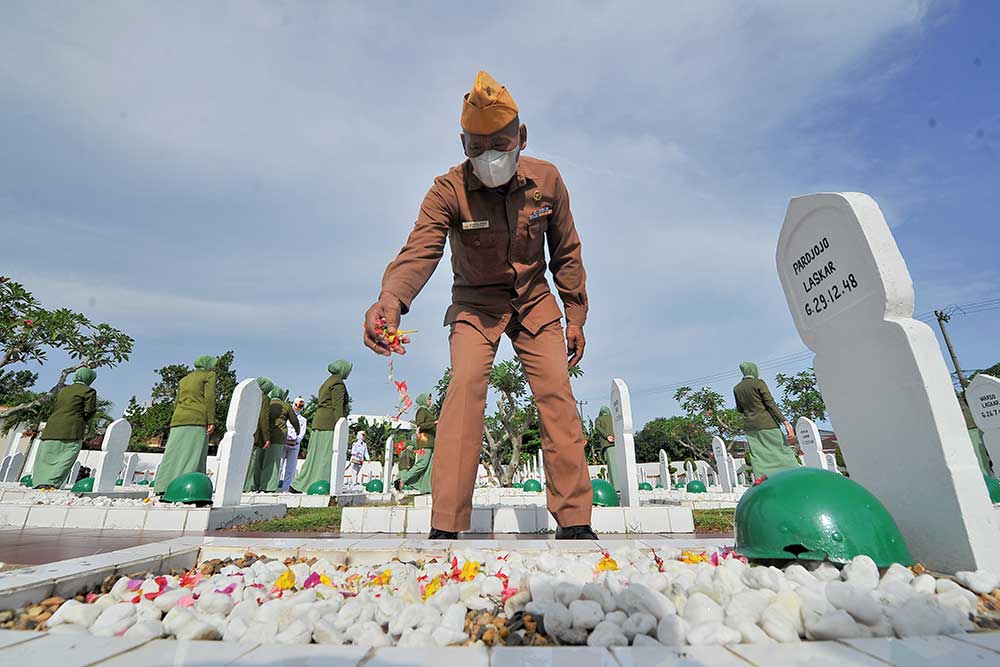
(37, 546)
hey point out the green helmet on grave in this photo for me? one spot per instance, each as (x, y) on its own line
(993, 486)
(679, 485)
(320, 487)
(659, 486)
(119, 482)
(695, 486)
(645, 486)
(604, 494)
(85, 485)
(816, 514)
(374, 486)
(518, 485)
(27, 481)
(143, 482)
(532, 485)
(192, 487)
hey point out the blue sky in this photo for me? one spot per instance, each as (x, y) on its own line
(236, 175)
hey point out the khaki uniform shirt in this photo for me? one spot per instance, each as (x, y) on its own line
(498, 239)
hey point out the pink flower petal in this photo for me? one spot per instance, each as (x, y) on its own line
(186, 601)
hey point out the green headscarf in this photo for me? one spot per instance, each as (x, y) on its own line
(206, 362)
(275, 392)
(605, 411)
(85, 376)
(749, 369)
(341, 368)
(423, 400)
(265, 385)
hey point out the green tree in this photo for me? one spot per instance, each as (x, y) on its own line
(706, 415)
(666, 434)
(15, 387)
(28, 332)
(800, 396)
(376, 433)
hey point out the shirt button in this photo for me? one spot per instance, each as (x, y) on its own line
(477, 243)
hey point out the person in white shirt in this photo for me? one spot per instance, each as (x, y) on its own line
(293, 441)
(359, 454)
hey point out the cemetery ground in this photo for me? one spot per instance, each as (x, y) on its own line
(327, 520)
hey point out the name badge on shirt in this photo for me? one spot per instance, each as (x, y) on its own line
(475, 224)
(539, 212)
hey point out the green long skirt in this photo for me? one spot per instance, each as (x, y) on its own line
(980, 448)
(269, 467)
(319, 458)
(253, 470)
(612, 464)
(186, 451)
(53, 462)
(770, 452)
(418, 476)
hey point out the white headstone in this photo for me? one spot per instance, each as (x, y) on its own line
(11, 438)
(4, 466)
(387, 465)
(688, 472)
(74, 472)
(810, 443)
(983, 397)
(112, 455)
(726, 479)
(131, 463)
(831, 463)
(341, 434)
(237, 444)
(541, 466)
(16, 467)
(621, 414)
(665, 478)
(851, 298)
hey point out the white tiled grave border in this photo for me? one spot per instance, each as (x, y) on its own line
(68, 578)
(19, 493)
(520, 519)
(180, 518)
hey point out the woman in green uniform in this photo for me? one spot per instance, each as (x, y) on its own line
(331, 405)
(192, 423)
(280, 415)
(62, 436)
(606, 429)
(770, 450)
(418, 476)
(261, 436)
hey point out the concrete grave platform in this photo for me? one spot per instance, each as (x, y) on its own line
(286, 499)
(525, 519)
(67, 578)
(15, 494)
(180, 518)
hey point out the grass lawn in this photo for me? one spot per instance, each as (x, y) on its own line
(304, 519)
(713, 521)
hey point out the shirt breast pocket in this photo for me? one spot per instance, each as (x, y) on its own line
(478, 239)
(537, 228)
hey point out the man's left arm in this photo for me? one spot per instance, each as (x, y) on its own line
(566, 265)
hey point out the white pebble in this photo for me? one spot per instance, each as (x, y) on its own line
(169, 599)
(963, 601)
(491, 586)
(799, 575)
(617, 617)
(639, 623)
(177, 618)
(198, 630)
(325, 633)
(766, 578)
(645, 640)
(114, 620)
(541, 588)
(672, 630)
(836, 624)
(898, 572)
(370, 635)
(712, 633)
(749, 631)
(778, 626)
(749, 604)
(586, 614)
(701, 609)
(296, 632)
(454, 617)
(76, 613)
(567, 592)
(607, 634)
(447, 637)
(236, 629)
(922, 616)
(214, 603)
(855, 601)
(414, 638)
(599, 594)
(980, 581)
(639, 598)
(146, 630)
(925, 583)
(556, 619)
(862, 572)
(827, 572)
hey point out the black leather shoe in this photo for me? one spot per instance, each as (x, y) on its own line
(575, 533)
(442, 535)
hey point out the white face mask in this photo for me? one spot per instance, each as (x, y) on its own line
(495, 168)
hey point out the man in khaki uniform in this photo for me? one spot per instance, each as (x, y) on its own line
(499, 210)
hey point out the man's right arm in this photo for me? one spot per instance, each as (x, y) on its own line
(412, 268)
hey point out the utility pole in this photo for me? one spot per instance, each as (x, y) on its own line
(579, 406)
(942, 318)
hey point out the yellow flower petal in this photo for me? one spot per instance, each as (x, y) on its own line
(285, 581)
